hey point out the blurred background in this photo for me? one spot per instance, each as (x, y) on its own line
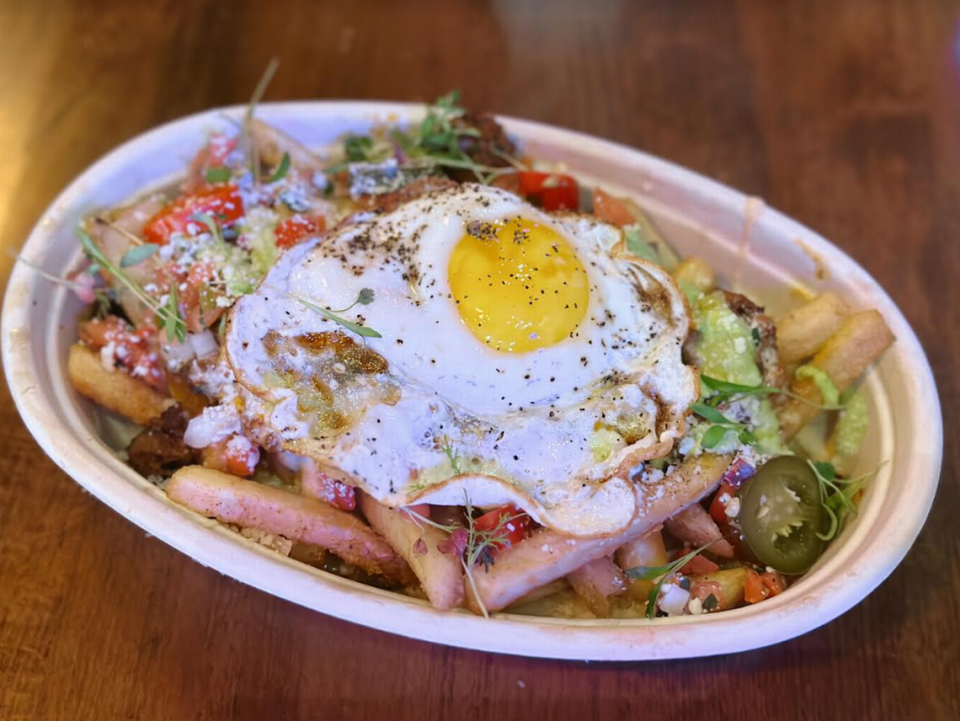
(844, 115)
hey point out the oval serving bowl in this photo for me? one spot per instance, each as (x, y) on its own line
(752, 246)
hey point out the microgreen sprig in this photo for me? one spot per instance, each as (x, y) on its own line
(837, 494)
(661, 574)
(210, 223)
(259, 91)
(138, 254)
(724, 391)
(281, 170)
(218, 175)
(473, 544)
(435, 143)
(167, 315)
(451, 455)
(365, 297)
(102, 296)
(721, 424)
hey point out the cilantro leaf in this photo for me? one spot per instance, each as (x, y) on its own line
(168, 317)
(366, 296)
(218, 175)
(357, 148)
(137, 254)
(825, 469)
(650, 573)
(713, 436)
(710, 414)
(357, 328)
(281, 170)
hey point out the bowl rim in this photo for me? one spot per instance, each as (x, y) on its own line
(83, 456)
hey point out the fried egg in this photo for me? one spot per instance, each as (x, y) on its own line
(508, 356)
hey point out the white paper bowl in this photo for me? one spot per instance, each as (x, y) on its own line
(698, 215)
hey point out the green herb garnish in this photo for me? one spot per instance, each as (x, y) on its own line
(359, 149)
(211, 225)
(218, 175)
(452, 456)
(651, 573)
(837, 494)
(167, 315)
(357, 328)
(137, 254)
(721, 424)
(281, 170)
(435, 143)
(477, 546)
(364, 297)
(725, 391)
(258, 93)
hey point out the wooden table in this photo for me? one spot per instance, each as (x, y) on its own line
(844, 115)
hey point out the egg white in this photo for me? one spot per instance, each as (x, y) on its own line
(517, 426)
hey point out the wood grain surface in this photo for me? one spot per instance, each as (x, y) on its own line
(843, 114)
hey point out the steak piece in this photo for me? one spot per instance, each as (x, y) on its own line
(159, 450)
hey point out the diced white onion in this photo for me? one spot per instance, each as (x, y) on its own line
(204, 344)
(673, 599)
(177, 355)
(214, 424)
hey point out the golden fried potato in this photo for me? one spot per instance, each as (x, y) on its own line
(804, 330)
(114, 389)
(860, 340)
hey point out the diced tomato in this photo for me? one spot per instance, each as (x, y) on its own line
(718, 507)
(753, 589)
(704, 589)
(133, 349)
(318, 484)
(697, 565)
(294, 229)
(212, 155)
(773, 582)
(611, 209)
(198, 300)
(344, 496)
(217, 150)
(763, 585)
(222, 202)
(513, 531)
(235, 455)
(551, 191)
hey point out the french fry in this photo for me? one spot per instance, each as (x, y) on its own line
(804, 330)
(538, 594)
(694, 526)
(253, 505)
(859, 341)
(547, 555)
(114, 389)
(440, 574)
(596, 581)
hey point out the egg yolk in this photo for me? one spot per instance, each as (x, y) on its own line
(518, 285)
